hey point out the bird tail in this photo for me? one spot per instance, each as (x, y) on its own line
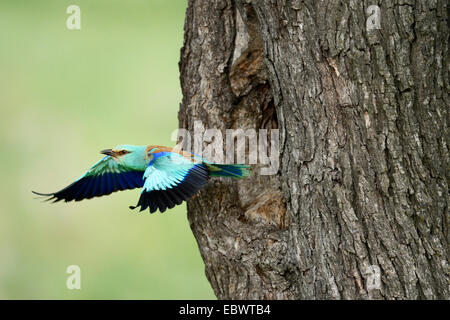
(236, 171)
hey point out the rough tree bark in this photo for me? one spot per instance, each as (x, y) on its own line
(363, 120)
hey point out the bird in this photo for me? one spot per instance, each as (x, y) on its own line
(167, 176)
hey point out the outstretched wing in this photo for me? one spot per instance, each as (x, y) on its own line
(170, 179)
(103, 178)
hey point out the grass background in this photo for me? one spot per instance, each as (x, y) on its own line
(65, 95)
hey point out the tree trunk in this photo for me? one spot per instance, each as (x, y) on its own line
(364, 162)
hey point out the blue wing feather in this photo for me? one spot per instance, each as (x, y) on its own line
(170, 179)
(103, 178)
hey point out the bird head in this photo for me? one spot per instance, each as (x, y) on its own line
(129, 155)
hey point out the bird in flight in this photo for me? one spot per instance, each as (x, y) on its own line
(167, 176)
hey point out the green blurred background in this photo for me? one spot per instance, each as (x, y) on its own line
(66, 95)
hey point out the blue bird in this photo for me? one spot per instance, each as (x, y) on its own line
(167, 176)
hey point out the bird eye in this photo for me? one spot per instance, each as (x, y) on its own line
(121, 152)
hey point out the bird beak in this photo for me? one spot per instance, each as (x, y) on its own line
(108, 152)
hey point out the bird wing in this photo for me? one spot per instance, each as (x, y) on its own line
(103, 178)
(170, 179)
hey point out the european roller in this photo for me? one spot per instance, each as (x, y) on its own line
(167, 176)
